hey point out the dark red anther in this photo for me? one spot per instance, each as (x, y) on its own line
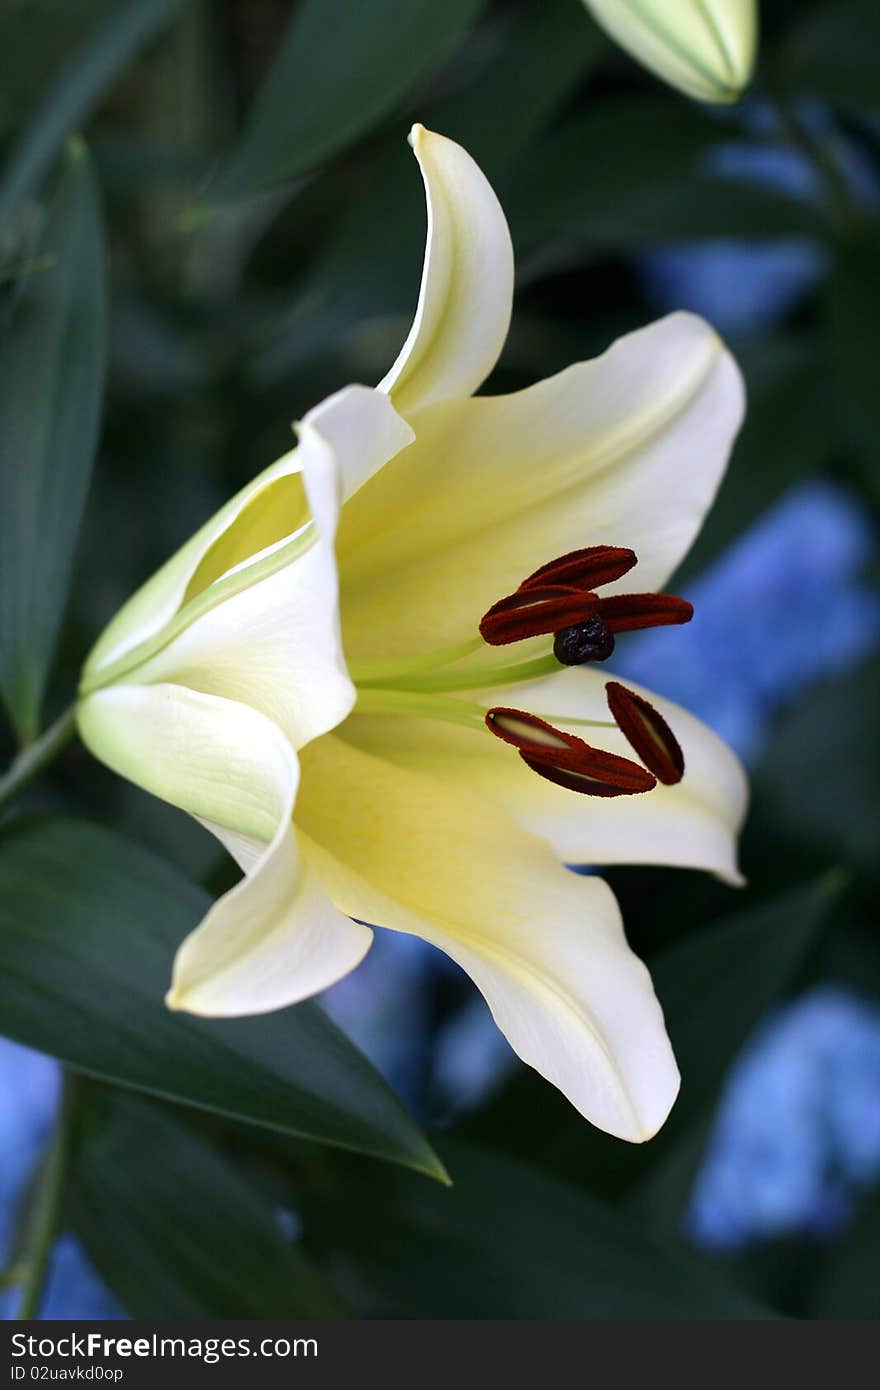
(627, 612)
(565, 759)
(647, 731)
(535, 612)
(584, 569)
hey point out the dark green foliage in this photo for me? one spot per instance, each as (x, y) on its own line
(52, 362)
(90, 924)
(250, 202)
(175, 1230)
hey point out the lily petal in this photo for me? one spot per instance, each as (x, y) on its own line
(275, 938)
(694, 824)
(264, 631)
(466, 293)
(626, 450)
(706, 49)
(414, 853)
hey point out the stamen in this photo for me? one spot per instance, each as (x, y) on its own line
(627, 612)
(647, 731)
(526, 730)
(585, 569)
(589, 641)
(565, 759)
(535, 613)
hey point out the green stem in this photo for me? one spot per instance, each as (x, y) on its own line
(37, 755)
(840, 202)
(47, 1200)
(11, 1276)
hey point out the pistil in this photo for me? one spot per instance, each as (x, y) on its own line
(557, 600)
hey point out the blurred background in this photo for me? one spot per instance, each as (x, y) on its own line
(264, 228)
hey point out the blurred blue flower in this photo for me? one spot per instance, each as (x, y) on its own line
(736, 285)
(742, 282)
(798, 1130)
(385, 1007)
(783, 607)
(29, 1093)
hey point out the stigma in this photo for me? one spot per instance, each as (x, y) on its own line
(560, 599)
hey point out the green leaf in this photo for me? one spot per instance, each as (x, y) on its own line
(505, 1242)
(852, 311)
(832, 53)
(818, 784)
(174, 1229)
(53, 347)
(88, 928)
(342, 67)
(636, 172)
(541, 58)
(847, 1285)
(75, 93)
(715, 985)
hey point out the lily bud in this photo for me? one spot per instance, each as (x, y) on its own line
(706, 49)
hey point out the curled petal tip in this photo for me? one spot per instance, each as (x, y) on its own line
(174, 1000)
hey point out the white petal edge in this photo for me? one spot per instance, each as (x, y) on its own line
(405, 850)
(466, 293)
(275, 938)
(628, 449)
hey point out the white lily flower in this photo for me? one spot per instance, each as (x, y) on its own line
(706, 48)
(332, 720)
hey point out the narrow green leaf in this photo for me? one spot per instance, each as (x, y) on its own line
(52, 361)
(833, 816)
(852, 308)
(634, 172)
(831, 52)
(174, 1230)
(72, 96)
(88, 928)
(505, 1241)
(717, 984)
(847, 1285)
(342, 67)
